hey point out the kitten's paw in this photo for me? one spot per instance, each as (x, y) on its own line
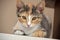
(39, 33)
(18, 32)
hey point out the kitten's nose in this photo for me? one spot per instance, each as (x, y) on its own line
(28, 25)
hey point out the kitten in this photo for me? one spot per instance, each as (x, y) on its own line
(31, 20)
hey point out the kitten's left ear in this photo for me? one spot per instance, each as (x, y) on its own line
(41, 5)
(19, 4)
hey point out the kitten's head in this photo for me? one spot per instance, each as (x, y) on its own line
(30, 15)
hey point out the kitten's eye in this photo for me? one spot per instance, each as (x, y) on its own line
(34, 18)
(23, 17)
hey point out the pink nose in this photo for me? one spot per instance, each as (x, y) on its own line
(28, 25)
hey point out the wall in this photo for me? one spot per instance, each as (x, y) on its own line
(8, 15)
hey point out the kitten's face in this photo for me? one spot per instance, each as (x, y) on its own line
(29, 15)
(29, 20)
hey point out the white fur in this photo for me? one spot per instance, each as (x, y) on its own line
(29, 20)
(19, 32)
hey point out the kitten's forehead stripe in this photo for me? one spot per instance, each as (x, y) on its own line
(30, 5)
(29, 20)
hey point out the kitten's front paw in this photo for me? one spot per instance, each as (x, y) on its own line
(18, 32)
(39, 33)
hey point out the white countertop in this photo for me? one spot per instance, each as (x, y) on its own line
(4, 36)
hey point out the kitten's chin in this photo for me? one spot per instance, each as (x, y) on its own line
(28, 26)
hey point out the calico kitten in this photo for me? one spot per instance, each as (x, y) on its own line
(31, 20)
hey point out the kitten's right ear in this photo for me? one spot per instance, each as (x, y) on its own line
(41, 5)
(19, 4)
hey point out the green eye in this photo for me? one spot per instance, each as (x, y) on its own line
(34, 18)
(23, 17)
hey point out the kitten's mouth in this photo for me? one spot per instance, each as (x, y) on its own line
(28, 26)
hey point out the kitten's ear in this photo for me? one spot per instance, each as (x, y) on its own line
(40, 6)
(19, 4)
